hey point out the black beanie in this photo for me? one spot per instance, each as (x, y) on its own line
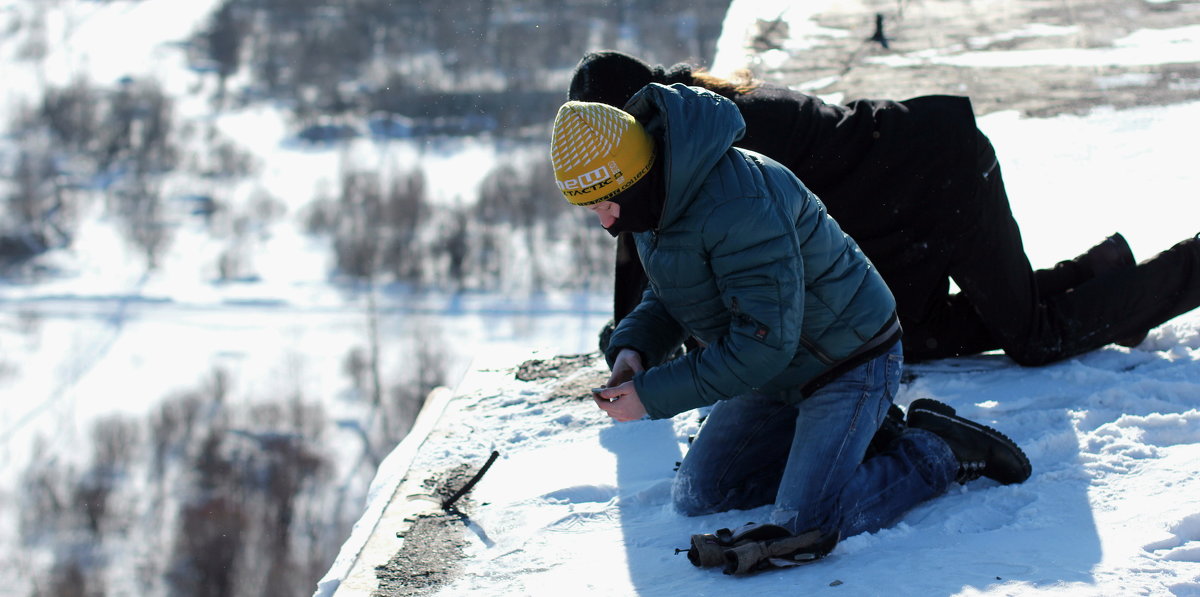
(612, 77)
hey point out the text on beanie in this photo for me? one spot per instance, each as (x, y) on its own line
(597, 151)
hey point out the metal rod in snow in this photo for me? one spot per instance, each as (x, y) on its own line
(446, 505)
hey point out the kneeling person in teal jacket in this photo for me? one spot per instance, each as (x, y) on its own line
(800, 350)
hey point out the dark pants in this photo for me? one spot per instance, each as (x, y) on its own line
(1049, 315)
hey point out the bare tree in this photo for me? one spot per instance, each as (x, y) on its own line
(224, 42)
(34, 210)
(140, 208)
(73, 115)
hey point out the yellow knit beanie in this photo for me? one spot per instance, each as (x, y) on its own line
(597, 151)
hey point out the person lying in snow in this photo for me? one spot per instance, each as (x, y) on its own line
(918, 186)
(800, 344)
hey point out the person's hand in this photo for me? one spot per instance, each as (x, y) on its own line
(627, 363)
(621, 402)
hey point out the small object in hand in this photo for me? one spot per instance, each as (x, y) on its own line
(596, 392)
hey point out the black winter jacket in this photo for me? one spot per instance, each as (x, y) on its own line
(901, 178)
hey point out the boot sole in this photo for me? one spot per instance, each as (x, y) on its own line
(1007, 463)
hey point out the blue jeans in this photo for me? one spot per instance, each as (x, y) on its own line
(807, 459)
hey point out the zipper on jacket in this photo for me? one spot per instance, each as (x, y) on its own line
(736, 309)
(761, 333)
(991, 168)
(815, 350)
(760, 330)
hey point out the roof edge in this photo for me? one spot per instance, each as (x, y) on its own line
(353, 571)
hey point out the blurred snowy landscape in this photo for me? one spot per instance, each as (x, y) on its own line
(240, 243)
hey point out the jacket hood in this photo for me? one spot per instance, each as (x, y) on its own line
(694, 127)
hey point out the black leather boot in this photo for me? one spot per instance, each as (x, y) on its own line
(1112, 254)
(980, 450)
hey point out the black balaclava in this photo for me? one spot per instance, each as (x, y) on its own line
(642, 203)
(611, 77)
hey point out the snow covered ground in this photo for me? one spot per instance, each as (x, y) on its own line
(578, 504)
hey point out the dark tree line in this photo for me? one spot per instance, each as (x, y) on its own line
(505, 62)
(78, 139)
(119, 143)
(518, 235)
(395, 68)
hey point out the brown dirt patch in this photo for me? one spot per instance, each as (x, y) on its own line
(575, 376)
(433, 543)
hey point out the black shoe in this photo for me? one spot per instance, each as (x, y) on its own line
(1111, 255)
(1132, 340)
(980, 450)
(890, 429)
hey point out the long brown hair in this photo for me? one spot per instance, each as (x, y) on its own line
(743, 82)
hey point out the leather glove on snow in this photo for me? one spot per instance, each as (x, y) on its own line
(758, 547)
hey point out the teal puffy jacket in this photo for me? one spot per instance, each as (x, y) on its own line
(746, 260)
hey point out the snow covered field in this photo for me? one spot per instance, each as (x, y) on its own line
(578, 504)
